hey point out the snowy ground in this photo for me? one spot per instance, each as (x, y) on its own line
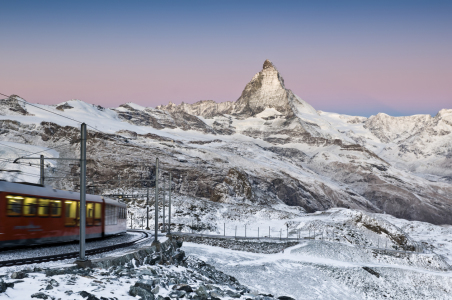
(304, 276)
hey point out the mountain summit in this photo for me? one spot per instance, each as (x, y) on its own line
(267, 90)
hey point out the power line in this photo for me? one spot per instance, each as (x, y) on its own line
(32, 165)
(23, 100)
(100, 131)
(31, 153)
(57, 147)
(14, 147)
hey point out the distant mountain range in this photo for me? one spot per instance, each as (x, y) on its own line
(268, 147)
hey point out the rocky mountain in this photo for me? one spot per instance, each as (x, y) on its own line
(267, 148)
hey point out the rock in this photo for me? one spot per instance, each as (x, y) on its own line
(177, 294)
(155, 259)
(156, 290)
(41, 295)
(285, 298)
(3, 286)
(52, 272)
(179, 243)
(202, 291)
(19, 275)
(146, 284)
(215, 295)
(49, 287)
(87, 295)
(54, 283)
(178, 255)
(232, 294)
(183, 287)
(143, 293)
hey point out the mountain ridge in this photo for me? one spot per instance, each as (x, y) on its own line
(280, 150)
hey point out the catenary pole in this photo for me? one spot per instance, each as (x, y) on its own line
(147, 210)
(42, 170)
(163, 202)
(169, 203)
(82, 192)
(156, 199)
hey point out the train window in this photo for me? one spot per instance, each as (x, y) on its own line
(71, 213)
(89, 213)
(44, 207)
(30, 207)
(55, 208)
(111, 215)
(98, 214)
(14, 205)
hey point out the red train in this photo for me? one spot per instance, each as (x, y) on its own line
(31, 214)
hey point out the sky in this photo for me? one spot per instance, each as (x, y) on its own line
(350, 57)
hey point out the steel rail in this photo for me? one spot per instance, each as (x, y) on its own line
(57, 257)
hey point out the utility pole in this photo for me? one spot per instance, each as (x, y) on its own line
(82, 224)
(42, 170)
(169, 207)
(164, 190)
(156, 199)
(147, 210)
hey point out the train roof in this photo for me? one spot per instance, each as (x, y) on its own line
(114, 202)
(12, 187)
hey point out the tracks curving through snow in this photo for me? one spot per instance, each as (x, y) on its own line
(74, 254)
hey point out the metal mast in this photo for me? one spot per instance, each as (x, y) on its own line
(42, 170)
(156, 199)
(169, 207)
(82, 192)
(164, 190)
(147, 210)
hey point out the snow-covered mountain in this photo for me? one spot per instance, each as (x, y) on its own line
(269, 147)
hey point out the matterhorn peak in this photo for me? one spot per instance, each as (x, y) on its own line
(266, 90)
(268, 64)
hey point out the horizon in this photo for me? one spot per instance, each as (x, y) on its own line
(350, 58)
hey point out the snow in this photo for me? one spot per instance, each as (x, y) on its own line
(9, 151)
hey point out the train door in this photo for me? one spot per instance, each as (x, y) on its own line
(71, 213)
(89, 214)
(14, 204)
(98, 214)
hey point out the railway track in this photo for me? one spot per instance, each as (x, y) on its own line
(75, 254)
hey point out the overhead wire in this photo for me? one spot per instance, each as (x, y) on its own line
(13, 147)
(92, 127)
(112, 136)
(34, 166)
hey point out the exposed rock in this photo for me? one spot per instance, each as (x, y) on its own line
(13, 106)
(183, 287)
(19, 275)
(144, 294)
(41, 295)
(64, 106)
